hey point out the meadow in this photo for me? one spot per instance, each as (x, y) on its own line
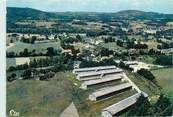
(39, 47)
(164, 79)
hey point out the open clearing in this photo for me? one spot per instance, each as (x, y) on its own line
(41, 98)
(164, 78)
(145, 85)
(40, 47)
(110, 45)
(152, 44)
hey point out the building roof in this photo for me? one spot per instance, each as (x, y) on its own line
(130, 62)
(91, 82)
(94, 68)
(117, 107)
(99, 72)
(111, 89)
(139, 66)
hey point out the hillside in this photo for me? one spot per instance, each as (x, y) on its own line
(135, 14)
(14, 13)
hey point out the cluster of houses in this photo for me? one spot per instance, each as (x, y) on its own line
(104, 75)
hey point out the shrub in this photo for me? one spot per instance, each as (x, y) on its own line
(146, 74)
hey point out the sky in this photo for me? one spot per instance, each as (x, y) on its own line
(160, 6)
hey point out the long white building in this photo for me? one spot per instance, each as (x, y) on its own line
(86, 84)
(93, 69)
(120, 106)
(109, 91)
(99, 74)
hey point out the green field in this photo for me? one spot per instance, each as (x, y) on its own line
(40, 47)
(111, 45)
(164, 78)
(152, 44)
(145, 85)
(41, 98)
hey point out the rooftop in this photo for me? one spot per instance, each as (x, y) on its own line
(94, 68)
(103, 80)
(99, 72)
(115, 108)
(111, 89)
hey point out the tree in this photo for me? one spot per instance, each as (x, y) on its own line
(140, 108)
(25, 52)
(51, 52)
(47, 76)
(55, 37)
(133, 58)
(33, 39)
(159, 47)
(120, 43)
(122, 65)
(10, 54)
(146, 74)
(164, 60)
(78, 37)
(12, 77)
(11, 41)
(163, 106)
(27, 74)
(33, 64)
(11, 68)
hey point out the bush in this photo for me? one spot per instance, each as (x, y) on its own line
(141, 107)
(27, 74)
(146, 74)
(11, 68)
(12, 77)
(164, 60)
(163, 107)
(47, 76)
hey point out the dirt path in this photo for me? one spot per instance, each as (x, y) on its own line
(70, 111)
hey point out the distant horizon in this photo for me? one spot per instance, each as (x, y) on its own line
(89, 11)
(98, 6)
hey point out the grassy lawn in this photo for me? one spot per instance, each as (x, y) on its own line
(145, 85)
(145, 59)
(111, 46)
(31, 97)
(164, 78)
(40, 47)
(81, 47)
(152, 44)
